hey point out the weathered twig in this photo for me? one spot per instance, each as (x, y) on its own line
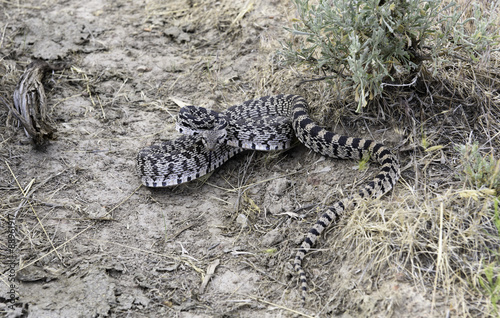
(30, 103)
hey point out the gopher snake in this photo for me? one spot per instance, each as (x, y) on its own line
(189, 157)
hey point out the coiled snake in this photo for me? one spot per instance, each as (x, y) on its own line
(261, 124)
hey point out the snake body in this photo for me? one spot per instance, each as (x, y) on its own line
(264, 124)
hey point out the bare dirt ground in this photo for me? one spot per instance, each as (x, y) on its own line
(93, 242)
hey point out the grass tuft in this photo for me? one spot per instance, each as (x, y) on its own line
(490, 280)
(479, 171)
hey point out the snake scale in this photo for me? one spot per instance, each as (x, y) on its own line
(266, 123)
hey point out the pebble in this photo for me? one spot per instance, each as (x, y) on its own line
(242, 219)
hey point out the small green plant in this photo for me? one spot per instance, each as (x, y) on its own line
(491, 285)
(368, 42)
(479, 171)
(363, 163)
(491, 282)
(484, 171)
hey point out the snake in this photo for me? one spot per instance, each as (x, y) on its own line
(266, 123)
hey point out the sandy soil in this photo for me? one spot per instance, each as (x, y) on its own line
(94, 243)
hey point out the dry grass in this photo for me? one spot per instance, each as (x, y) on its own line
(438, 240)
(433, 230)
(436, 231)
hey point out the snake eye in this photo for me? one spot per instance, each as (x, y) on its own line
(221, 136)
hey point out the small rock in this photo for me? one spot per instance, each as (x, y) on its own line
(173, 32)
(272, 238)
(275, 208)
(96, 211)
(242, 219)
(125, 302)
(278, 186)
(183, 37)
(169, 268)
(141, 300)
(143, 69)
(177, 34)
(228, 75)
(34, 274)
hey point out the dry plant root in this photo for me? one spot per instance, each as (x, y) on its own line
(30, 103)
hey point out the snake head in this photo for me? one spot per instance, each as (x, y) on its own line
(211, 138)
